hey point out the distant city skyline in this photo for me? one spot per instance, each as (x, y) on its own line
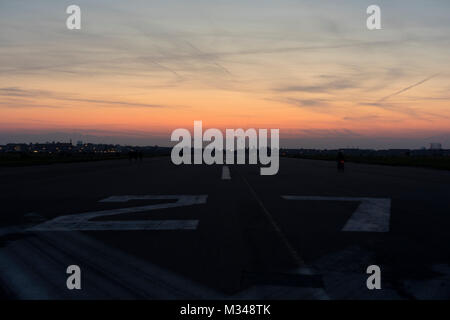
(80, 145)
(138, 70)
(319, 143)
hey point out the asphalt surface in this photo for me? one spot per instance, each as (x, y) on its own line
(195, 232)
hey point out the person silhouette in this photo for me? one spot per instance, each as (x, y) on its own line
(340, 161)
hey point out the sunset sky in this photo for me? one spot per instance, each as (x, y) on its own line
(139, 69)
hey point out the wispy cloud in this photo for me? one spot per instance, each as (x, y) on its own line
(322, 133)
(320, 88)
(23, 93)
(16, 92)
(314, 104)
(113, 102)
(369, 117)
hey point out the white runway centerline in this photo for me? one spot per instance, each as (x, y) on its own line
(226, 173)
(372, 215)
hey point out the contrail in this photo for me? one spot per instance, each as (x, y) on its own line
(407, 88)
(217, 64)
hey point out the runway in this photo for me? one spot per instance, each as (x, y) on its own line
(153, 230)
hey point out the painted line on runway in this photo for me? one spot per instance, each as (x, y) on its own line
(82, 221)
(226, 173)
(302, 267)
(294, 254)
(372, 214)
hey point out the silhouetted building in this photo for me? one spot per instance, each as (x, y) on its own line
(435, 146)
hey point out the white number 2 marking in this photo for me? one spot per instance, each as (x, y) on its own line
(82, 221)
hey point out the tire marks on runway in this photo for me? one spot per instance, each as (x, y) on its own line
(34, 268)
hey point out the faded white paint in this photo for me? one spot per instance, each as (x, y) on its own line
(226, 173)
(82, 221)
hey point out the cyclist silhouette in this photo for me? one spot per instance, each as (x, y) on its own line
(340, 161)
